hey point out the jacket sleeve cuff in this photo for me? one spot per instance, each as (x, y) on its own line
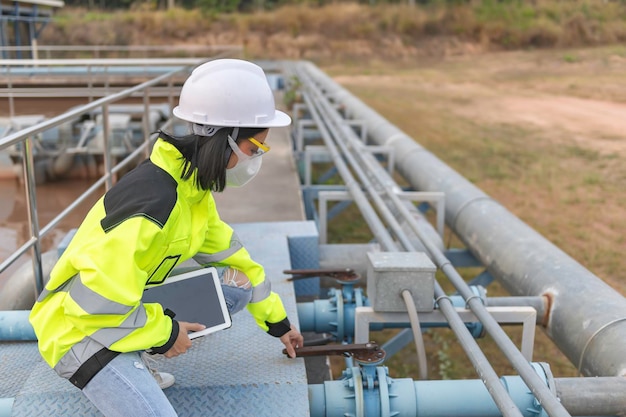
(280, 328)
(168, 345)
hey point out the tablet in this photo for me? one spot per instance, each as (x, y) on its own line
(195, 297)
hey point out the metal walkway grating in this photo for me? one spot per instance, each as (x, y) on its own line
(239, 371)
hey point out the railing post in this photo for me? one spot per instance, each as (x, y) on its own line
(106, 131)
(33, 220)
(170, 93)
(146, 120)
(90, 83)
(10, 94)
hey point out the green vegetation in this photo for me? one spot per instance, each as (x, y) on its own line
(348, 30)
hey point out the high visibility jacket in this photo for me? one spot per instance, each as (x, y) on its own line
(150, 221)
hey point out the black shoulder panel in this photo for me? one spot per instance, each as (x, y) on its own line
(146, 191)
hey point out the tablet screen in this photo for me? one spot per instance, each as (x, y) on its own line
(195, 297)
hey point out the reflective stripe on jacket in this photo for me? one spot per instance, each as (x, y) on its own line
(149, 222)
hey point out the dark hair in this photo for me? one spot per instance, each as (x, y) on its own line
(208, 155)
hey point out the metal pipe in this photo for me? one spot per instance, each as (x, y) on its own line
(476, 356)
(417, 334)
(6, 405)
(106, 132)
(368, 213)
(498, 334)
(505, 344)
(203, 49)
(590, 330)
(145, 126)
(358, 393)
(325, 316)
(346, 139)
(460, 398)
(384, 210)
(316, 98)
(10, 95)
(354, 256)
(538, 303)
(14, 326)
(601, 396)
(33, 218)
(103, 62)
(18, 292)
(516, 358)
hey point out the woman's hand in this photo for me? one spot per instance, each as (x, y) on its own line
(182, 341)
(292, 339)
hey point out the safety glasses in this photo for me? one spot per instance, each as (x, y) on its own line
(261, 148)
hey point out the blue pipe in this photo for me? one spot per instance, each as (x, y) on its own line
(369, 392)
(320, 316)
(14, 326)
(6, 407)
(336, 316)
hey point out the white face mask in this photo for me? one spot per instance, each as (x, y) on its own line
(247, 167)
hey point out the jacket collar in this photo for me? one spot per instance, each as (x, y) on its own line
(167, 157)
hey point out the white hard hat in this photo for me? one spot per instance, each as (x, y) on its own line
(229, 92)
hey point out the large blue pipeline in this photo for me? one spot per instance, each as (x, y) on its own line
(368, 391)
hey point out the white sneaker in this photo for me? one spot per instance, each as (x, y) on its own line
(164, 379)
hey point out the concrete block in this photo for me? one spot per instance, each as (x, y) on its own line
(389, 273)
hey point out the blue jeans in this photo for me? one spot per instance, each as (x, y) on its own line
(125, 387)
(236, 298)
(133, 387)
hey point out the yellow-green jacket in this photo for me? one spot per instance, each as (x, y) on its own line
(150, 221)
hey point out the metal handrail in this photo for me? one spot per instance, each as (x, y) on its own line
(98, 50)
(26, 135)
(97, 62)
(96, 71)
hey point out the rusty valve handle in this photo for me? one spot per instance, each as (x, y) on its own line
(365, 352)
(346, 274)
